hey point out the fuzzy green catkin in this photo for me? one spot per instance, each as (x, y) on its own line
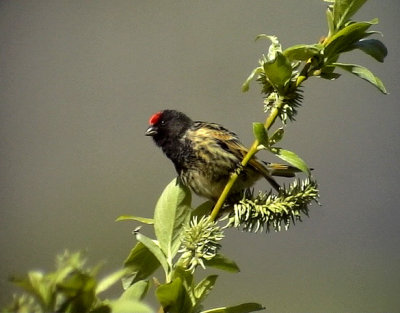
(200, 242)
(271, 211)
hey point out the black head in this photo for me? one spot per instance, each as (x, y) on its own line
(167, 126)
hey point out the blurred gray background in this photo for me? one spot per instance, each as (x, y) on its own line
(78, 82)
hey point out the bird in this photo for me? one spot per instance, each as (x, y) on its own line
(205, 154)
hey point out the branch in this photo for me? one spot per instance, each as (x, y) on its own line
(252, 151)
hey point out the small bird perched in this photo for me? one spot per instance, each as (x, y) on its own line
(205, 154)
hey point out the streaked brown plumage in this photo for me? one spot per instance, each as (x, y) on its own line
(205, 154)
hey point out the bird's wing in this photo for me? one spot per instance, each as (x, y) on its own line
(229, 141)
(226, 139)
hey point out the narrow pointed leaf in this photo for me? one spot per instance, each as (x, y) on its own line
(141, 263)
(241, 308)
(254, 73)
(155, 250)
(345, 38)
(174, 297)
(260, 133)
(363, 73)
(302, 52)
(276, 136)
(171, 214)
(144, 220)
(329, 19)
(110, 280)
(372, 47)
(343, 10)
(223, 263)
(137, 291)
(204, 287)
(292, 158)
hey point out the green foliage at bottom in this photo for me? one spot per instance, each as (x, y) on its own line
(71, 288)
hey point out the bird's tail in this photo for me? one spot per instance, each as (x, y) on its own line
(274, 169)
(273, 182)
(281, 170)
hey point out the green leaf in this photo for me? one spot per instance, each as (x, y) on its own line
(204, 287)
(302, 52)
(155, 249)
(187, 280)
(137, 291)
(345, 38)
(110, 280)
(223, 263)
(125, 306)
(141, 262)
(372, 47)
(172, 214)
(174, 297)
(203, 209)
(260, 133)
(241, 308)
(329, 75)
(78, 291)
(291, 158)
(274, 48)
(183, 274)
(102, 308)
(38, 285)
(144, 220)
(363, 73)
(331, 25)
(278, 71)
(246, 84)
(343, 10)
(276, 136)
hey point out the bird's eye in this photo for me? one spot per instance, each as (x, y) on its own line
(162, 122)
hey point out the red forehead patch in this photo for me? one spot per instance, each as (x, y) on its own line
(155, 118)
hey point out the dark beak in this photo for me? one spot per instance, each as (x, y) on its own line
(151, 131)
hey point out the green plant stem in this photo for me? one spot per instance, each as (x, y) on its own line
(234, 176)
(304, 74)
